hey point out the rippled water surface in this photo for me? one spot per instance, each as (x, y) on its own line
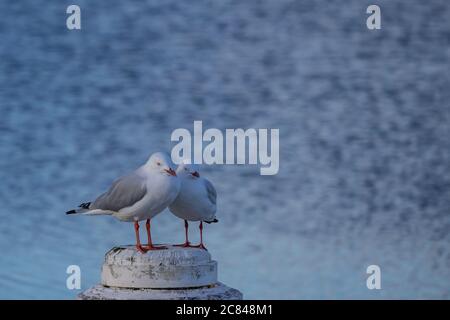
(364, 121)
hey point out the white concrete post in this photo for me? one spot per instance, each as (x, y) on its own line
(173, 274)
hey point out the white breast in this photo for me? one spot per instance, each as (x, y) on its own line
(192, 202)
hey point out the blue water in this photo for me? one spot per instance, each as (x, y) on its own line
(364, 121)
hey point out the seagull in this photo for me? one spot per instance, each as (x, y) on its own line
(138, 196)
(196, 200)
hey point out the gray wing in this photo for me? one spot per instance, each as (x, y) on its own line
(211, 191)
(124, 192)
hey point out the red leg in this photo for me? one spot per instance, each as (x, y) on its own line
(150, 245)
(138, 241)
(201, 245)
(149, 234)
(186, 244)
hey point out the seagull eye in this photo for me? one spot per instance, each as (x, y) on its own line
(158, 163)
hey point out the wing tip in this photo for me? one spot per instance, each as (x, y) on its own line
(85, 205)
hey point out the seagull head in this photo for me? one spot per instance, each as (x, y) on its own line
(161, 162)
(188, 170)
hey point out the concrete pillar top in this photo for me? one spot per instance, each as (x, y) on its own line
(174, 267)
(128, 255)
(173, 273)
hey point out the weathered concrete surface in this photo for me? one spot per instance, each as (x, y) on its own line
(172, 274)
(218, 291)
(174, 267)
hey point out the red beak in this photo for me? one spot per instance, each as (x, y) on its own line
(171, 172)
(196, 174)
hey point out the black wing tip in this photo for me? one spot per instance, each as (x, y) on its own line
(213, 221)
(84, 205)
(71, 212)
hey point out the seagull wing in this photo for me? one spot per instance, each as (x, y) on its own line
(211, 191)
(124, 192)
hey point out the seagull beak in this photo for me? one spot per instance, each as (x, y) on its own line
(196, 174)
(171, 172)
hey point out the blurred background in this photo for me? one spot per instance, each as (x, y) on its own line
(364, 121)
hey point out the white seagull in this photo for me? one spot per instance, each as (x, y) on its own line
(196, 200)
(139, 195)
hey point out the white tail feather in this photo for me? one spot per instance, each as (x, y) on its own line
(97, 212)
(87, 212)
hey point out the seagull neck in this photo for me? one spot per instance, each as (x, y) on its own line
(143, 170)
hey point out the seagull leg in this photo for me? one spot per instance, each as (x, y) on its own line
(186, 244)
(138, 241)
(201, 245)
(150, 245)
